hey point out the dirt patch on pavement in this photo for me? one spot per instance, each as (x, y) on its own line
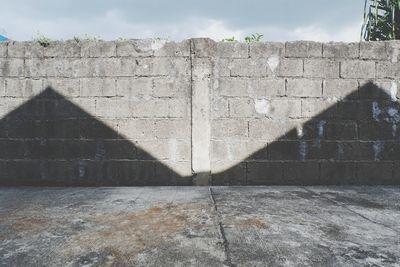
(254, 222)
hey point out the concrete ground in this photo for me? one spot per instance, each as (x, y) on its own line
(200, 226)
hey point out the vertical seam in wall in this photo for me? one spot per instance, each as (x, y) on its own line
(191, 104)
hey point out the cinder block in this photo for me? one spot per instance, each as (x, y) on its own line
(233, 176)
(374, 50)
(229, 128)
(301, 173)
(232, 50)
(134, 48)
(66, 86)
(269, 130)
(222, 67)
(2, 87)
(357, 69)
(162, 66)
(172, 49)
(135, 88)
(178, 129)
(152, 108)
(341, 50)
(321, 68)
(63, 49)
(92, 128)
(3, 49)
(136, 173)
(340, 88)
(284, 150)
(263, 88)
(171, 87)
(26, 172)
(387, 70)
(137, 129)
(113, 108)
(178, 107)
(375, 173)
(267, 49)
(304, 88)
(249, 67)
(220, 108)
(265, 173)
(12, 67)
(241, 107)
(174, 173)
(303, 49)
(340, 130)
(98, 49)
(233, 87)
(23, 87)
(12, 149)
(279, 108)
(203, 47)
(354, 150)
(379, 89)
(338, 173)
(90, 87)
(290, 68)
(34, 50)
(323, 108)
(17, 49)
(373, 130)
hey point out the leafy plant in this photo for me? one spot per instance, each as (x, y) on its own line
(42, 40)
(254, 38)
(232, 39)
(381, 20)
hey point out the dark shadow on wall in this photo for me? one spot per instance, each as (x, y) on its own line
(49, 141)
(354, 142)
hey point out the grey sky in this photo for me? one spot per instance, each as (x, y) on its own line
(278, 20)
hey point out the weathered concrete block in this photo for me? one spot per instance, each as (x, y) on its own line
(63, 49)
(162, 66)
(357, 69)
(249, 67)
(375, 173)
(262, 88)
(303, 49)
(265, 173)
(387, 70)
(2, 87)
(234, 176)
(341, 50)
(233, 87)
(134, 88)
(34, 50)
(172, 49)
(340, 88)
(284, 150)
(232, 50)
(267, 49)
(379, 89)
(3, 49)
(17, 49)
(269, 130)
(203, 47)
(321, 107)
(23, 87)
(90, 87)
(66, 86)
(374, 50)
(222, 67)
(220, 108)
(171, 87)
(12, 67)
(304, 88)
(241, 107)
(178, 108)
(301, 173)
(134, 129)
(290, 68)
(177, 129)
(113, 108)
(98, 49)
(229, 128)
(150, 108)
(91, 128)
(134, 48)
(321, 68)
(280, 108)
(340, 131)
(338, 173)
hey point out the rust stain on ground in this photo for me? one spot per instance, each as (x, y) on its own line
(254, 222)
(128, 233)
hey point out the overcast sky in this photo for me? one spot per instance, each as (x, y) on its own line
(278, 20)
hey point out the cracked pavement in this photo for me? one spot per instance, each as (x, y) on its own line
(200, 226)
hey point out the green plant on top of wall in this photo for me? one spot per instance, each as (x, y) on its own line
(381, 20)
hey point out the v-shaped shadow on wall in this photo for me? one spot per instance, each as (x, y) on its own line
(50, 141)
(355, 141)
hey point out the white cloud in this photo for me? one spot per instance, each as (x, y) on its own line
(216, 30)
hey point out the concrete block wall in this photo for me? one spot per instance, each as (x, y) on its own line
(198, 112)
